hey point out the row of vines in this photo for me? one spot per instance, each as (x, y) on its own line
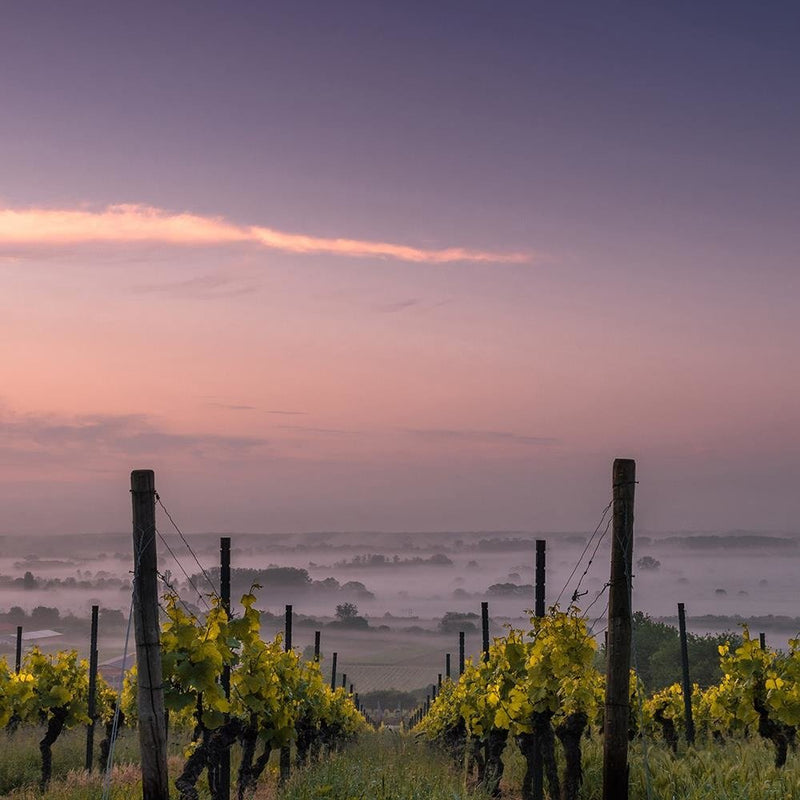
(276, 698)
(542, 688)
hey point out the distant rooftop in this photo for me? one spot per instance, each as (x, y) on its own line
(29, 636)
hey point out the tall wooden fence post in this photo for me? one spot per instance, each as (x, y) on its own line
(333, 672)
(687, 684)
(92, 711)
(461, 636)
(617, 701)
(287, 629)
(317, 637)
(152, 731)
(286, 750)
(447, 665)
(18, 655)
(485, 629)
(541, 548)
(224, 785)
(537, 782)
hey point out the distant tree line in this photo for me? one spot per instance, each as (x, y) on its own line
(284, 580)
(380, 560)
(30, 582)
(51, 617)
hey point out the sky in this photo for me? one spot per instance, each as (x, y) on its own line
(399, 266)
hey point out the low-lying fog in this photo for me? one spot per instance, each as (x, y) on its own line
(405, 583)
(421, 575)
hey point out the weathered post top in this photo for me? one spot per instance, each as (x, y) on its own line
(143, 480)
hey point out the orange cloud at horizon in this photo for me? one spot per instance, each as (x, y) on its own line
(145, 224)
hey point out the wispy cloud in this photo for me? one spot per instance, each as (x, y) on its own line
(203, 286)
(307, 429)
(399, 305)
(132, 224)
(122, 434)
(468, 435)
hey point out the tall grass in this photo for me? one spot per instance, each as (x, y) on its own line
(736, 770)
(381, 767)
(20, 766)
(388, 766)
(20, 763)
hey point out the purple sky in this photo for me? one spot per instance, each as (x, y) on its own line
(407, 265)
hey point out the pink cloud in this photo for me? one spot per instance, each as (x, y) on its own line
(131, 224)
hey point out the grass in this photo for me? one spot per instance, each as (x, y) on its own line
(737, 770)
(381, 767)
(20, 768)
(388, 766)
(20, 765)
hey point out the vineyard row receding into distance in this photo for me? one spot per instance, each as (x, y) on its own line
(212, 683)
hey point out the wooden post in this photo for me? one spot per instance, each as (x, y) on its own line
(439, 682)
(344, 680)
(617, 702)
(537, 783)
(762, 640)
(461, 653)
(333, 672)
(687, 684)
(286, 750)
(541, 546)
(447, 665)
(18, 656)
(317, 637)
(351, 688)
(287, 641)
(152, 732)
(224, 785)
(485, 629)
(92, 710)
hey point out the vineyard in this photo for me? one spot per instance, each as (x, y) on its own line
(534, 689)
(219, 710)
(540, 689)
(276, 699)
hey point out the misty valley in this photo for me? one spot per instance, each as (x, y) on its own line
(391, 604)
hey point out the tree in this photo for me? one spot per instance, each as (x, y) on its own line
(112, 616)
(346, 611)
(648, 562)
(665, 663)
(455, 621)
(347, 616)
(45, 615)
(358, 589)
(658, 654)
